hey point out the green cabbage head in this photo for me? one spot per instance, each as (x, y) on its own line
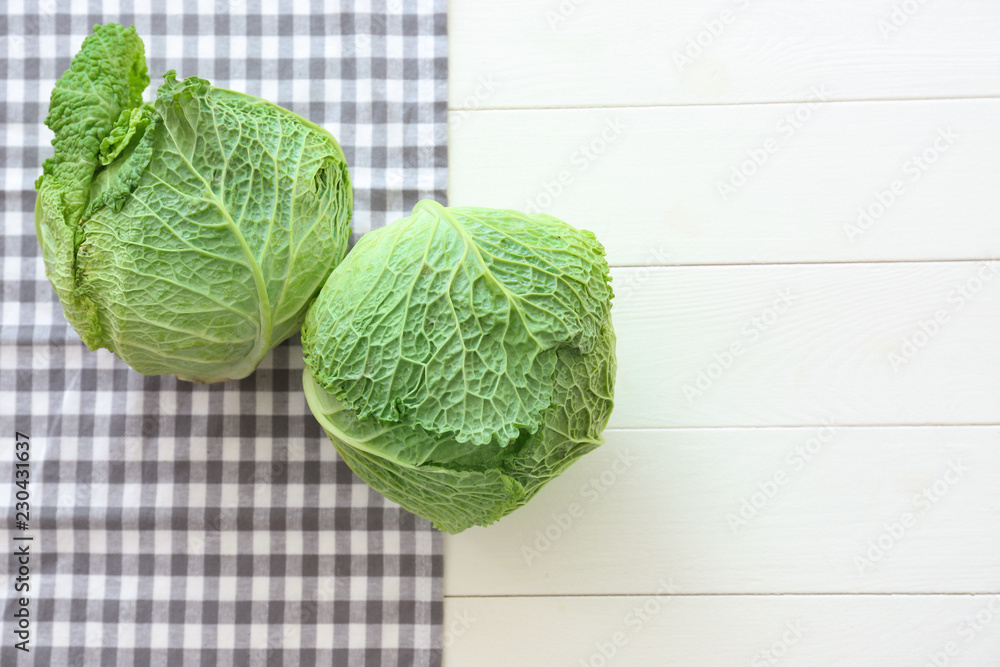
(461, 358)
(189, 235)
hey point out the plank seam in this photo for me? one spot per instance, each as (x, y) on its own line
(630, 429)
(961, 260)
(732, 595)
(873, 100)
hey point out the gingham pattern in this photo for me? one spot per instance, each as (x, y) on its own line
(177, 524)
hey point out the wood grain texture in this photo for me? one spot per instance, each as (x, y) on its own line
(806, 431)
(832, 182)
(722, 631)
(797, 344)
(636, 52)
(802, 510)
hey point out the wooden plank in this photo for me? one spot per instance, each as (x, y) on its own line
(720, 630)
(641, 52)
(836, 182)
(797, 510)
(864, 344)
(789, 522)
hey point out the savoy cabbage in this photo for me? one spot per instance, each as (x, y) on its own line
(461, 358)
(189, 235)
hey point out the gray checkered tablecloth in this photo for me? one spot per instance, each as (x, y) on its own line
(180, 524)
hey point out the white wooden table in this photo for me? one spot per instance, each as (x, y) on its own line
(801, 205)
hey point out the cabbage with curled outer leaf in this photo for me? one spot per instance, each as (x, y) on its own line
(187, 235)
(461, 358)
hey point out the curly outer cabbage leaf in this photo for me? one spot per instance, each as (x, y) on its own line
(461, 358)
(187, 236)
